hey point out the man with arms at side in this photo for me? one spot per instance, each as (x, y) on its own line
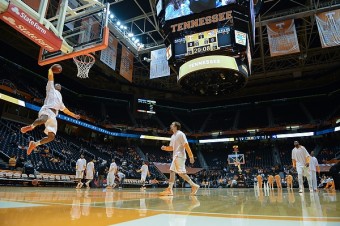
(313, 168)
(178, 145)
(300, 159)
(144, 170)
(80, 168)
(112, 174)
(89, 173)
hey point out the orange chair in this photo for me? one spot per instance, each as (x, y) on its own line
(278, 181)
(271, 181)
(289, 180)
(259, 181)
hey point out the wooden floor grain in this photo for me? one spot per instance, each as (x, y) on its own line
(24, 206)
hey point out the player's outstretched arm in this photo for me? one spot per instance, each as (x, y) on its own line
(68, 112)
(50, 75)
(167, 148)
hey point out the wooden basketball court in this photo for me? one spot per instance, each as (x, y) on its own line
(67, 206)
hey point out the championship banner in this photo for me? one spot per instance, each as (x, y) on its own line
(126, 64)
(159, 64)
(109, 55)
(282, 38)
(329, 28)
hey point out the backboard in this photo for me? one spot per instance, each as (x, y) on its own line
(85, 30)
(63, 29)
(235, 159)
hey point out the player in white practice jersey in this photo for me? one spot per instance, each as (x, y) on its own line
(144, 170)
(313, 168)
(48, 113)
(300, 159)
(113, 170)
(178, 145)
(80, 168)
(89, 173)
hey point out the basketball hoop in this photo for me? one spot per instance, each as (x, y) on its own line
(84, 63)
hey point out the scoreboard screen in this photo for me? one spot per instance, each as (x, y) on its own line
(180, 8)
(201, 42)
(146, 106)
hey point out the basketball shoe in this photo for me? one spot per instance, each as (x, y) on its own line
(26, 129)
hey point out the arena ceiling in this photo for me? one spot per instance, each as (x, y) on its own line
(311, 71)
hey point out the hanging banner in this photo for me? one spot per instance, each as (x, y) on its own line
(282, 38)
(329, 28)
(159, 64)
(109, 55)
(34, 4)
(126, 64)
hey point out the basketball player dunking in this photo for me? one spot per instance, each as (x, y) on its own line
(48, 113)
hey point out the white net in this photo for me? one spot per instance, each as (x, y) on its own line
(84, 63)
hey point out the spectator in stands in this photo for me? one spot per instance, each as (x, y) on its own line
(48, 113)
(12, 162)
(178, 145)
(20, 162)
(28, 167)
(300, 159)
(121, 177)
(102, 172)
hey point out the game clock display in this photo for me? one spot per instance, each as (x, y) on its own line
(202, 42)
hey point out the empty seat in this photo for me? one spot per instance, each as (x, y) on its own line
(24, 176)
(9, 175)
(17, 175)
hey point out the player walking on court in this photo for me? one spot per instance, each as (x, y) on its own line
(48, 113)
(112, 174)
(313, 168)
(80, 168)
(301, 158)
(89, 173)
(144, 170)
(178, 145)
